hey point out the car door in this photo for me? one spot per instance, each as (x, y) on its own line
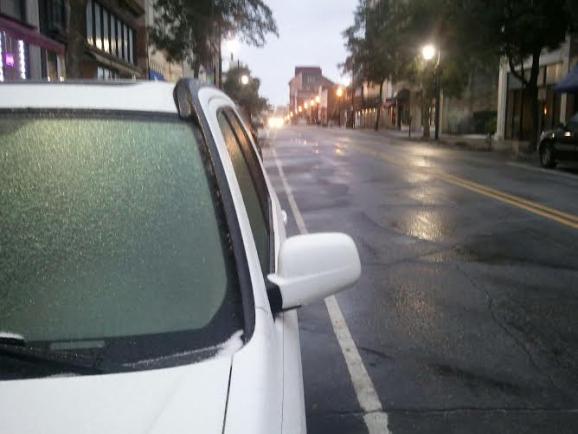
(263, 204)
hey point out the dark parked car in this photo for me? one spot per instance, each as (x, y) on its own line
(560, 144)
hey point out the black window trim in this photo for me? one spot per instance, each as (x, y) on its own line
(209, 148)
(186, 96)
(255, 167)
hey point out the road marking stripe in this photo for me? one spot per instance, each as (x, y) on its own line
(374, 417)
(519, 202)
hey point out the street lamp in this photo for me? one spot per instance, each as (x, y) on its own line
(317, 99)
(428, 53)
(244, 79)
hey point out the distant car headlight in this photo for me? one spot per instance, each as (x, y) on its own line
(275, 122)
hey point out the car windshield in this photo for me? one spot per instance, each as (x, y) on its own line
(113, 238)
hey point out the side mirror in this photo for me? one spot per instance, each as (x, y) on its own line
(312, 267)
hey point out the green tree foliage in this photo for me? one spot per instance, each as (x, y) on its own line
(245, 95)
(385, 40)
(192, 29)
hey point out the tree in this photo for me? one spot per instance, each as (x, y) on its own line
(384, 44)
(192, 30)
(519, 30)
(245, 95)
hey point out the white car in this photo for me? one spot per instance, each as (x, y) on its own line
(146, 282)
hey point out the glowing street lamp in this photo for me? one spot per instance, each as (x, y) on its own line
(428, 52)
(244, 79)
(317, 99)
(306, 105)
(339, 92)
(300, 109)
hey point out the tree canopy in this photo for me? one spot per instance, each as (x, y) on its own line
(385, 39)
(192, 29)
(246, 95)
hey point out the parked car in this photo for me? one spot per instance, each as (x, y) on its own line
(147, 282)
(560, 144)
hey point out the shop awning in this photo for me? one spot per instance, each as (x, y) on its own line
(569, 83)
(30, 35)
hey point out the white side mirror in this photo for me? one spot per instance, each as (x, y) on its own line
(312, 267)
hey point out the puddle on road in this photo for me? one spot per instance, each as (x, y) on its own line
(425, 225)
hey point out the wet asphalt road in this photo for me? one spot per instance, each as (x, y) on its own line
(466, 315)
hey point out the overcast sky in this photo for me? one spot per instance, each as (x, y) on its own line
(309, 34)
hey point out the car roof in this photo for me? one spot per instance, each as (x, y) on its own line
(146, 96)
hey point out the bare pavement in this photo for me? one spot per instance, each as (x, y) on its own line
(465, 319)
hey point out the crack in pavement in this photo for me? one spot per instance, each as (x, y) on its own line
(519, 343)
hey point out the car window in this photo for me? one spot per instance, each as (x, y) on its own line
(252, 159)
(113, 236)
(249, 189)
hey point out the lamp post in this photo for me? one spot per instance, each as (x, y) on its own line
(429, 52)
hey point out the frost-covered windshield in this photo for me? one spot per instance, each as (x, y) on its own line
(112, 237)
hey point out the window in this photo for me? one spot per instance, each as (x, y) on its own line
(258, 217)
(113, 42)
(108, 33)
(122, 49)
(126, 235)
(573, 123)
(90, 22)
(13, 8)
(97, 25)
(252, 160)
(105, 31)
(130, 46)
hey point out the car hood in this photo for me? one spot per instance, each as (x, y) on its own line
(187, 399)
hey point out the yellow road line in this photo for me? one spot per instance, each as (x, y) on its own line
(561, 217)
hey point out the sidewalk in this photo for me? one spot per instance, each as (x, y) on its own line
(472, 142)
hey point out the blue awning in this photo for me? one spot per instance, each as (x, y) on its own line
(570, 83)
(156, 76)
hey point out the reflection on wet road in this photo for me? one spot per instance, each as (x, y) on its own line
(465, 316)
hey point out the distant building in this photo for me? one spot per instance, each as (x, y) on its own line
(304, 86)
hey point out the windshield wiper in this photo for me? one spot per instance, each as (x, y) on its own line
(16, 348)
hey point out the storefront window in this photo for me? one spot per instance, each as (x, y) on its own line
(14, 58)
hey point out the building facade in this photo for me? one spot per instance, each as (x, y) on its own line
(305, 84)
(514, 104)
(115, 39)
(30, 47)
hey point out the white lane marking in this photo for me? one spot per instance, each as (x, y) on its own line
(374, 417)
(546, 171)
